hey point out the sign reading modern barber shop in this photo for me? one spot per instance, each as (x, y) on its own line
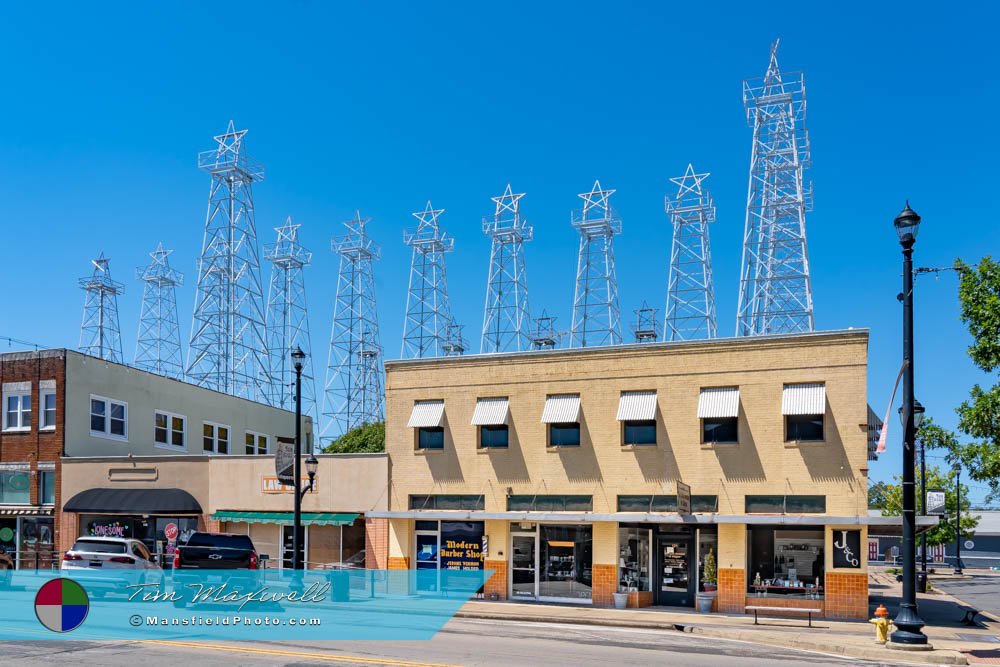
(461, 545)
(847, 548)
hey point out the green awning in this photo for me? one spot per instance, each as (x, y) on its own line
(286, 518)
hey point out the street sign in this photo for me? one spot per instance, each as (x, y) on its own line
(284, 461)
(170, 532)
(683, 498)
(935, 501)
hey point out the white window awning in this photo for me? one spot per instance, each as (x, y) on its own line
(637, 406)
(719, 403)
(561, 409)
(427, 414)
(491, 412)
(803, 399)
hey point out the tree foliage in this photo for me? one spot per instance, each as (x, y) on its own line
(944, 533)
(878, 495)
(369, 438)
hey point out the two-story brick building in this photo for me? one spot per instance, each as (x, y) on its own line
(583, 472)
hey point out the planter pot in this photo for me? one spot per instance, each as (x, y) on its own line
(711, 588)
(621, 600)
(705, 602)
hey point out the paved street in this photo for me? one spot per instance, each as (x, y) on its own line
(981, 591)
(463, 642)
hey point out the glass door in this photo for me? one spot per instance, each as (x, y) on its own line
(287, 548)
(524, 566)
(674, 581)
(427, 559)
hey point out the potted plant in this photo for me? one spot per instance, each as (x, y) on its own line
(710, 579)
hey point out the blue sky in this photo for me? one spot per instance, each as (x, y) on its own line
(378, 108)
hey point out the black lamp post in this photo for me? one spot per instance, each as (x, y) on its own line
(958, 519)
(918, 419)
(908, 621)
(298, 356)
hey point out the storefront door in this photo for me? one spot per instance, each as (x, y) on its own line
(675, 581)
(523, 566)
(288, 546)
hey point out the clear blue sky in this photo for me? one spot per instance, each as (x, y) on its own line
(381, 107)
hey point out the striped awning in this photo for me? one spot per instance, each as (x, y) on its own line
(427, 414)
(561, 409)
(13, 510)
(803, 399)
(637, 406)
(719, 402)
(491, 412)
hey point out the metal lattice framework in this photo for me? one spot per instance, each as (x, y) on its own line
(455, 342)
(287, 323)
(99, 332)
(690, 290)
(428, 311)
(228, 350)
(158, 345)
(544, 336)
(506, 316)
(775, 289)
(646, 328)
(596, 314)
(352, 395)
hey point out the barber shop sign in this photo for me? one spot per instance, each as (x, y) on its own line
(847, 549)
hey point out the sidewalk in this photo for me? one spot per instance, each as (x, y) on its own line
(954, 643)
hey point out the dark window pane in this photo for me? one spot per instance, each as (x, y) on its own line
(422, 503)
(117, 427)
(493, 436)
(722, 429)
(765, 504)
(564, 435)
(634, 503)
(160, 434)
(97, 423)
(664, 503)
(430, 438)
(640, 432)
(803, 427)
(805, 504)
(704, 503)
(249, 443)
(448, 502)
(550, 503)
(426, 525)
(178, 438)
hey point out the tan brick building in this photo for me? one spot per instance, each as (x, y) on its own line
(572, 470)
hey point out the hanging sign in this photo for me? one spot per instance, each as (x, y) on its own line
(683, 498)
(935, 501)
(284, 461)
(847, 549)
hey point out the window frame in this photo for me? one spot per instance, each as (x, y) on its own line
(215, 438)
(256, 435)
(822, 427)
(420, 430)
(43, 425)
(640, 423)
(106, 433)
(736, 423)
(42, 475)
(505, 428)
(170, 431)
(20, 394)
(563, 425)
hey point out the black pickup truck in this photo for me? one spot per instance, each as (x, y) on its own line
(216, 551)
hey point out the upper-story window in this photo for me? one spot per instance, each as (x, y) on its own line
(256, 443)
(427, 419)
(803, 407)
(491, 417)
(15, 483)
(719, 410)
(17, 406)
(47, 484)
(108, 418)
(215, 438)
(637, 413)
(562, 414)
(47, 405)
(169, 430)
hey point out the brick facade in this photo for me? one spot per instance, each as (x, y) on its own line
(398, 563)
(605, 583)
(376, 544)
(846, 595)
(497, 584)
(731, 596)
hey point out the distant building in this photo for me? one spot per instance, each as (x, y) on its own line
(982, 550)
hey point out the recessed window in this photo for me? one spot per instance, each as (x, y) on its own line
(17, 411)
(46, 409)
(720, 430)
(169, 430)
(256, 443)
(803, 428)
(564, 435)
(550, 503)
(430, 437)
(47, 486)
(785, 504)
(446, 502)
(493, 437)
(215, 438)
(665, 503)
(108, 418)
(642, 432)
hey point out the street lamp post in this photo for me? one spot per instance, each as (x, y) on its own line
(918, 419)
(908, 621)
(958, 519)
(298, 356)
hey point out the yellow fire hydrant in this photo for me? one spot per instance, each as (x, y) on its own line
(882, 624)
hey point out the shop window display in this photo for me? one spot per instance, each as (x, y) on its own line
(566, 555)
(786, 562)
(634, 559)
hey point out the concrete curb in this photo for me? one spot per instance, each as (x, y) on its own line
(867, 652)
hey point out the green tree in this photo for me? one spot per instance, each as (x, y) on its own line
(979, 417)
(944, 533)
(877, 495)
(368, 438)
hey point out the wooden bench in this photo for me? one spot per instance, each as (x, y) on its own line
(794, 610)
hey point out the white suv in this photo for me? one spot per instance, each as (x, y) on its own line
(108, 553)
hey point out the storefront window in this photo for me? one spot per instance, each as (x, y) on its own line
(634, 558)
(15, 487)
(786, 562)
(36, 543)
(47, 487)
(566, 554)
(708, 543)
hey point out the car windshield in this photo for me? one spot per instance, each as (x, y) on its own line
(99, 547)
(220, 541)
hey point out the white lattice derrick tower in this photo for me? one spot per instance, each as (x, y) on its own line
(228, 350)
(287, 323)
(99, 332)
(158, 344)
(544, 335)
(775, 288)
(455, 342)
(596, 313)
(645, 327)
(690, 289)
(352, 393)
(506, 317)
(428, 311)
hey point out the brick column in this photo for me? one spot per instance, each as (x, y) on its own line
(376, 544)
(497, 584)
(732, 590)
(846, 595)
(605, 582)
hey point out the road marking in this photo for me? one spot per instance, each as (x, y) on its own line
(296, 654)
